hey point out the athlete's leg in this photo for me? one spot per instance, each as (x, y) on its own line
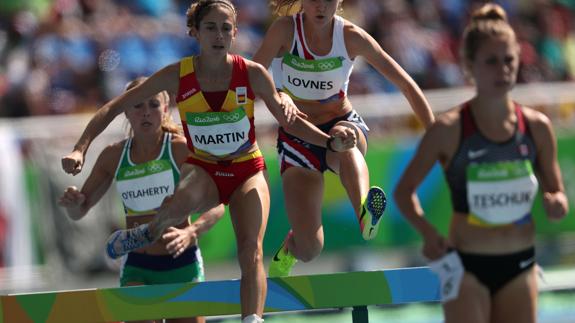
(517, 300)
(196, 193)
(472, 305)
(303, 194)
(249, 209)
(368, 203)
(351, 167)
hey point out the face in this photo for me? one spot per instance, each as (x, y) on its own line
(320, 11)
(216, 31)
(495, 66)
(147, 116)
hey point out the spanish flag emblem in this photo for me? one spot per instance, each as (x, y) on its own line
(241, 95)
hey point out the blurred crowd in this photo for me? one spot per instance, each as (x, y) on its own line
(69, 56)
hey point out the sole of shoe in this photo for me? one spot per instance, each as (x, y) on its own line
(375, 203)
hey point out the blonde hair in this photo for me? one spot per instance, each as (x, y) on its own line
(199, 9)
(168, 125)
(290, 7)
(487, 22)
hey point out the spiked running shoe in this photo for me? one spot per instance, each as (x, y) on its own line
(282, 263)
(123, 241)
(371, 212)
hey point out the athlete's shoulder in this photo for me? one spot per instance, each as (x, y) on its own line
(180, 150)
(284, 24)
(178, 140)
(449, 118)
(110, 156)
(254, 67)
(280, 30)
(115, 148)
(350, 29)
(355, 37)
(533, 115)
(536, 120)
(447, 125)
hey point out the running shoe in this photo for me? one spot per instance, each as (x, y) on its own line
(282, 263)
(371, 212)
(122, 242)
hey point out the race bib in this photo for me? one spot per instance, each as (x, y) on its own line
(312, 79)
(219, 133)
(501, 193)
(144, 187)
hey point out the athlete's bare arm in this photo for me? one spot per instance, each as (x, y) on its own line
(360, 43)
(166, 79)
(554, 197)
(437, 145)
(180, 150)
(276, 42)
(79, 202)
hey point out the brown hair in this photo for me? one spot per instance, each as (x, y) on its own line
(199, 9)
(290, 7)
(168, 125)
(487, 22)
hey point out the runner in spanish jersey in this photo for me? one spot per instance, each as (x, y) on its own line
(215, 92)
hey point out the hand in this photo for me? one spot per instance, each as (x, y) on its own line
(434, 246)
(72, 163)
(291, 112)
(178, 240)
(73, 200)
(555, 205)
(342, 139)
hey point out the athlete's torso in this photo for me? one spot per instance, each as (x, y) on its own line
(143, 187)
(217, 133)
(317, 83)
(492, 187)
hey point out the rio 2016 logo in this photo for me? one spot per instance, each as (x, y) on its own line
(231, 117)
(324, 66)
(155, 167)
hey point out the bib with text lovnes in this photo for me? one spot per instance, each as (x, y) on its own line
(317, 79)
(219, 133)
(500, 193)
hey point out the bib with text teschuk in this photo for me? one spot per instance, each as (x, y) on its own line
(502, 192)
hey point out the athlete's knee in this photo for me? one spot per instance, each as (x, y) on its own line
(310, 250)
(182, 204)
(346, 126)
(250, 254)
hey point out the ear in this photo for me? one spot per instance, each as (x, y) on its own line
(235, 32)
(193, 32)
(466, 70)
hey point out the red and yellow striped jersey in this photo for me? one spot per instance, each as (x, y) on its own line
(217, 131)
